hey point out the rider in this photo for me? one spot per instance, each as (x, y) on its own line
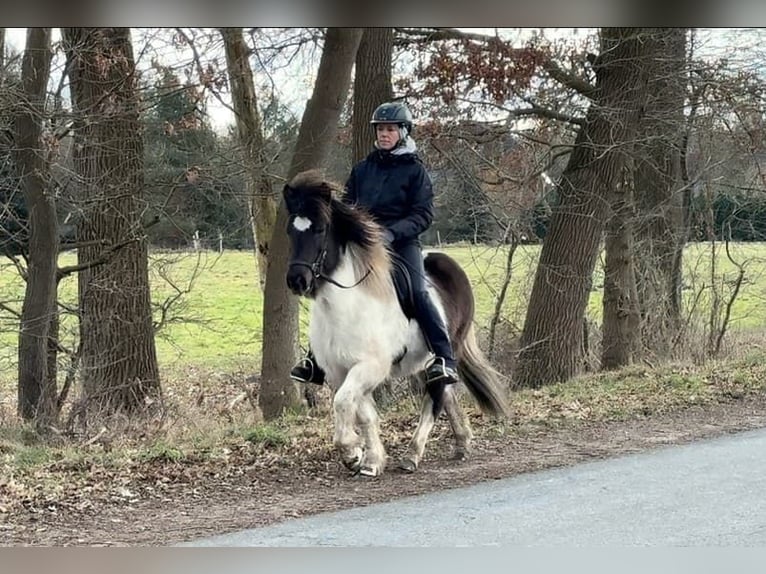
(393, 185)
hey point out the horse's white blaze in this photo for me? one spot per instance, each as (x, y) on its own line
(301, 223)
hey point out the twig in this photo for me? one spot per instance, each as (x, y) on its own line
(500, 300)
(100, 260)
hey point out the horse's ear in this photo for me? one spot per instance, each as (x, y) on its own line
(288, 193)
(326, 191)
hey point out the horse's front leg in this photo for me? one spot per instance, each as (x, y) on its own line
(353, 405)
(369, 423)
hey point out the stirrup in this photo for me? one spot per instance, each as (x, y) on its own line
(307, 372)
(438, 371)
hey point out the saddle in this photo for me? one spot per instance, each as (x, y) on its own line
(403, 285)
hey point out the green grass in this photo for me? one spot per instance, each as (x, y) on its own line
(217, 323)
(267, 436)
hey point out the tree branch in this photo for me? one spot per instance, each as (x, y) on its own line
(568, 79)
(103, 258)
(10, 310)
(408, 36)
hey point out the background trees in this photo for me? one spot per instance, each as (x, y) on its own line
(608, 151)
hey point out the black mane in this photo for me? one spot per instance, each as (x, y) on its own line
(310, 195)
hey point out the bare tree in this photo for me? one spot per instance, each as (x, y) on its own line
(659, 189)
(642, 243)
(280, 308)
(260, 199)
(118, 356)
(372, 85)
(621, 333)
(552, 338)
(36, 386)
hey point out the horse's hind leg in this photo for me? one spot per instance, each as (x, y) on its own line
(417, 446)
(458, 420)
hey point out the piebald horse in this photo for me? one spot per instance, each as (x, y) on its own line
(360, 334)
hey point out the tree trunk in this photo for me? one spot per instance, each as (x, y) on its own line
(372, 85)
(2, 56)
(552, 339)
(261, 202)
(620, 334)
(119, 359)
(659, 191)
(280, 308)
(37, 386)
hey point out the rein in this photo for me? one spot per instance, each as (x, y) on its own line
(316, 270)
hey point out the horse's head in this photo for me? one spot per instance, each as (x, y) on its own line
(320, 228)
(313, 250)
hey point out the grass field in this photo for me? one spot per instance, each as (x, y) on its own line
(216, 323)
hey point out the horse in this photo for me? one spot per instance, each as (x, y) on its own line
(359, 332)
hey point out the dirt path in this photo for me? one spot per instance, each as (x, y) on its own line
(183, 502)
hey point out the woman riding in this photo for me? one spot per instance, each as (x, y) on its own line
(392, 184)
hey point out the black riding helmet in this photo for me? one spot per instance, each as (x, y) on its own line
(393, 113)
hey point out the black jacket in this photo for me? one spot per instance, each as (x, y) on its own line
(397, 192)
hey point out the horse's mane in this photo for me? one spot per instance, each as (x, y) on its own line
(353, 227)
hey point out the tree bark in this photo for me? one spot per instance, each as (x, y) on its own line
(622, 317)
(280, 308)
(36, 386)
(659, 191)
(119, 360)
(552, 338)
(2, 56)
(372, 86)
(261, 202)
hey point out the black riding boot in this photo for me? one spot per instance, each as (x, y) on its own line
(443, 366)
(307, 370)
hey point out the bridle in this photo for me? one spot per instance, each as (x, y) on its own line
(316, 269)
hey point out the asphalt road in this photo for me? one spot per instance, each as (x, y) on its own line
(709, 493)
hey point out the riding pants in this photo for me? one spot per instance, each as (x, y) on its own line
(426, 313)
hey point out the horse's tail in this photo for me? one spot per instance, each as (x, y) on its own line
(482, 380)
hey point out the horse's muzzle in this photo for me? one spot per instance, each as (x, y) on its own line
(299, 280)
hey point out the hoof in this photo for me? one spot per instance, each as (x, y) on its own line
(352, 459)
(460, 454)
(353, 464)
(368, 472)
(407, 465)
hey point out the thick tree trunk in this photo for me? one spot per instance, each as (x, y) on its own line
(119, 360)
(552, 339)
(37, 386)
(372, 85)
(622, 318)
(659, 191)
(261, 202)
(280, 308)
